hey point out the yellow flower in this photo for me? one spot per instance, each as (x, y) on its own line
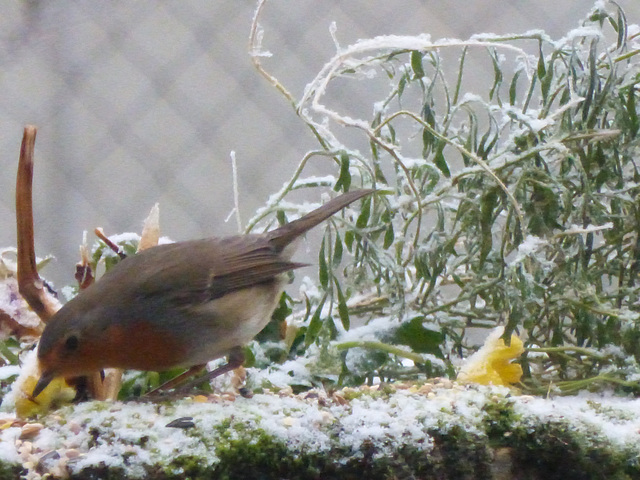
(57, 392)
(491, 365)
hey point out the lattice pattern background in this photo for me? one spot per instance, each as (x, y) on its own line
(141, 102)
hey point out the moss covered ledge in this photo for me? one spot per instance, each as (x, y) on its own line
(435, 430)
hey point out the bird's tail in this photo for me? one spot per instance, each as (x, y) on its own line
(283, 236)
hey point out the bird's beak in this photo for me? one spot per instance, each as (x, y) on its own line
(45, 379)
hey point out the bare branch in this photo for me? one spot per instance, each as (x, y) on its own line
(31, 286)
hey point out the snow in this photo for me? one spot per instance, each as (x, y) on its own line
(14, 305)
(614, 418)
(8, 371)
(134, 435)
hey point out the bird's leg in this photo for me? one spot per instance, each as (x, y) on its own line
(235, 360)
(177, 380)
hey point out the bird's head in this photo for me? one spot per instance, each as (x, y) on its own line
(69, 346)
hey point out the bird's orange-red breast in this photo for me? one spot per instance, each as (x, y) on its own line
(179, 304)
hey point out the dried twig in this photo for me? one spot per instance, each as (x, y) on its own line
(84, 273)
(30, 284)
(116, 249)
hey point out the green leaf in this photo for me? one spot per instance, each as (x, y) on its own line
(513, 88)
(488, 204)
(542, 69)
(420, 339)
(343, 311)
(416, 64)
(323, 272)
(349, 237)
(389, 236)
(497, 76)
(315, 325)
(621, 28)
(363, 218)
(337, 251)
(440, 161)
(401, 85)
(428, 139)
(249, 357)
(344, 180)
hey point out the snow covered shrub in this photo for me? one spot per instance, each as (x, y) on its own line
(508, 200)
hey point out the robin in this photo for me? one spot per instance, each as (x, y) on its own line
(177, 305)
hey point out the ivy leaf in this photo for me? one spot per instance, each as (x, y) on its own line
(420, 339)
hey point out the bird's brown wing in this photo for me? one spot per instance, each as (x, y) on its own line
(202, 270)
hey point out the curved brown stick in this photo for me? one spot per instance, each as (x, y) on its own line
(30, 284)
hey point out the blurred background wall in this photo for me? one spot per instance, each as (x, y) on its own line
(142, 102)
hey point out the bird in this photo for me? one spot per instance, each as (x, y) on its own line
(177, 305)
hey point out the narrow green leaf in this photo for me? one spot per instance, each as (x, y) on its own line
(542, 70)
(497, 77)
(343, 311)
(337, 251)
(513, 88)
(487, 206)
(389, 236)
(416, 64)
(349, 237)
(621, 29)
(315, 325)
(323, 269)
(363, 218)
(634, 124)
(440, 161)
(428, 139)
(344, 179)
(456, 94)
(11, 357)
(401, 85)
(545, 83)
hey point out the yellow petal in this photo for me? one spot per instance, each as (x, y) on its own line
(56, 393)
(492, 363)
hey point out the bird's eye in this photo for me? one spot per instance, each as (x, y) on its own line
(71, 343)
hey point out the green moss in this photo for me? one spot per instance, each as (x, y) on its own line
(455, 455)
(102, 473)
(557, 451)
(11, 472)
(500, 420)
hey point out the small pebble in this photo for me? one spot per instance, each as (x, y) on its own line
(31, 430)
(339, 399)
(289, 421)
(228, 396)
(325, 418)
(72, 453)
(425, 389)
(445, 383)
